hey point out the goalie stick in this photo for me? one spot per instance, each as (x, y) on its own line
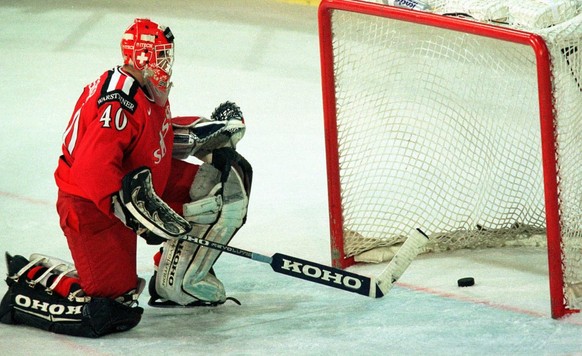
(374, 287)
(142, 204)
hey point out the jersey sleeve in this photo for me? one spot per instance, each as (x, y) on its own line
(102, 135)
(99, 156)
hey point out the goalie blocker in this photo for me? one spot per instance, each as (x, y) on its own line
(139, 207)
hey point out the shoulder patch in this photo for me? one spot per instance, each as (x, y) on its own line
(121, 88)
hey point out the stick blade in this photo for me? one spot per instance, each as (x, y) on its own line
(326, 275)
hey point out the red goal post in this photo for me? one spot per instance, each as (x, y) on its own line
(342, 107)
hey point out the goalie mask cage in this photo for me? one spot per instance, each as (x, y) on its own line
(468, 130)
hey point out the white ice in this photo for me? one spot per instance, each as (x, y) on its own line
(263, 55)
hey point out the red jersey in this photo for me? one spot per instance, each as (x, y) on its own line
(114, 129)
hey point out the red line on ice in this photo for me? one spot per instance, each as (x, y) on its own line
(26, 199)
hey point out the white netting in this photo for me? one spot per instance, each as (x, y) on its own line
(441, 130)
(524, 14)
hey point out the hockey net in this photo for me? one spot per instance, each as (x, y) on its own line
(465, 121)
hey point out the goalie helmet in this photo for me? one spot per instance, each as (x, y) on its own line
(149, 48)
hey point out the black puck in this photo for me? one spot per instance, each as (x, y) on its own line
(466, 282)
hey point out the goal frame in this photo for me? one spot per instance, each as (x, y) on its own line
(546, 113)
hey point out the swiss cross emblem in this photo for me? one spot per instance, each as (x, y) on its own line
(142, 58)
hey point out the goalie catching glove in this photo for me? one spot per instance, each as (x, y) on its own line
(199, 136)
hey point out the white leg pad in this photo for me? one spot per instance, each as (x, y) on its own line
(218, 210)
(174, 281)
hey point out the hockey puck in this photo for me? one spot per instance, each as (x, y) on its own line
(466, 282)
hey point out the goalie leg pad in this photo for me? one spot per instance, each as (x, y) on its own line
(32, 304)
(229, 177)
(220, 195)
(174, 282)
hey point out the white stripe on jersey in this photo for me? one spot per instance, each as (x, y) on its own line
(127, 85)
(114, 83)
(114, 80)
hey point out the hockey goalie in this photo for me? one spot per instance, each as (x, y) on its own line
(123, 173)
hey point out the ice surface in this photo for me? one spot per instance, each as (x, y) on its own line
(263, 55)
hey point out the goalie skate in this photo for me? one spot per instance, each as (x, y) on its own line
(157, 301)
